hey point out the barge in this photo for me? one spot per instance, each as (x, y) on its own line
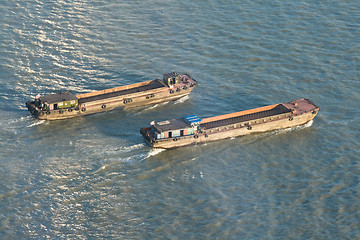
(193, 130)
(68, 105)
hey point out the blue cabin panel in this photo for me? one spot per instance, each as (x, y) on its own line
(193, 120)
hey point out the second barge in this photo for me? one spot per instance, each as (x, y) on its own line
(193, 130)
(67, 105)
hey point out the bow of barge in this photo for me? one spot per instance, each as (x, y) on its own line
(67, 105)
(193, 130)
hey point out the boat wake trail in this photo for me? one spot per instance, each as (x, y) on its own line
(131, 148)
(37, 123)
(149, 108)
(181, 100)
(154, 152)
(295, 128)
(302, 126)
(146, 109)
(309, 124)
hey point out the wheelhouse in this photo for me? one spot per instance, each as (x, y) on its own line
(171, 79)
(176, 127)
(56, 101)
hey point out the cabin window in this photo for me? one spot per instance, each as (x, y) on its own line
(172, 81)
(170, 134)
(181, 133)
(55, 106)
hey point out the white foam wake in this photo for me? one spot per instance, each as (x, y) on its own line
(181, 100)
(309, 124)
(302, 126)
(148, 108)
(154, 151)
(130, 148)
(37, 123)
(295, 128)
(16, 120)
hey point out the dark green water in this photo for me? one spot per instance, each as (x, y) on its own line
(94, 177)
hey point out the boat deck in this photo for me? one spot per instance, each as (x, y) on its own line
(152, 85)
(279, 109)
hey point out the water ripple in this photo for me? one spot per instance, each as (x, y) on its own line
(95, 177)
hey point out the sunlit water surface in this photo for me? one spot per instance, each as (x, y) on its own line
(94, 177)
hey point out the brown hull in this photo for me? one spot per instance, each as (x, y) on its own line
(139, 99)
(257, 125)
(67, 105)
(235, 132)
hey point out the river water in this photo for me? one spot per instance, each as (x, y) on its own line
(94, 177)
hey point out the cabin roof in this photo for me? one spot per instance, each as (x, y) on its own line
(58, 97)
(170, 125)
(192, 119)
